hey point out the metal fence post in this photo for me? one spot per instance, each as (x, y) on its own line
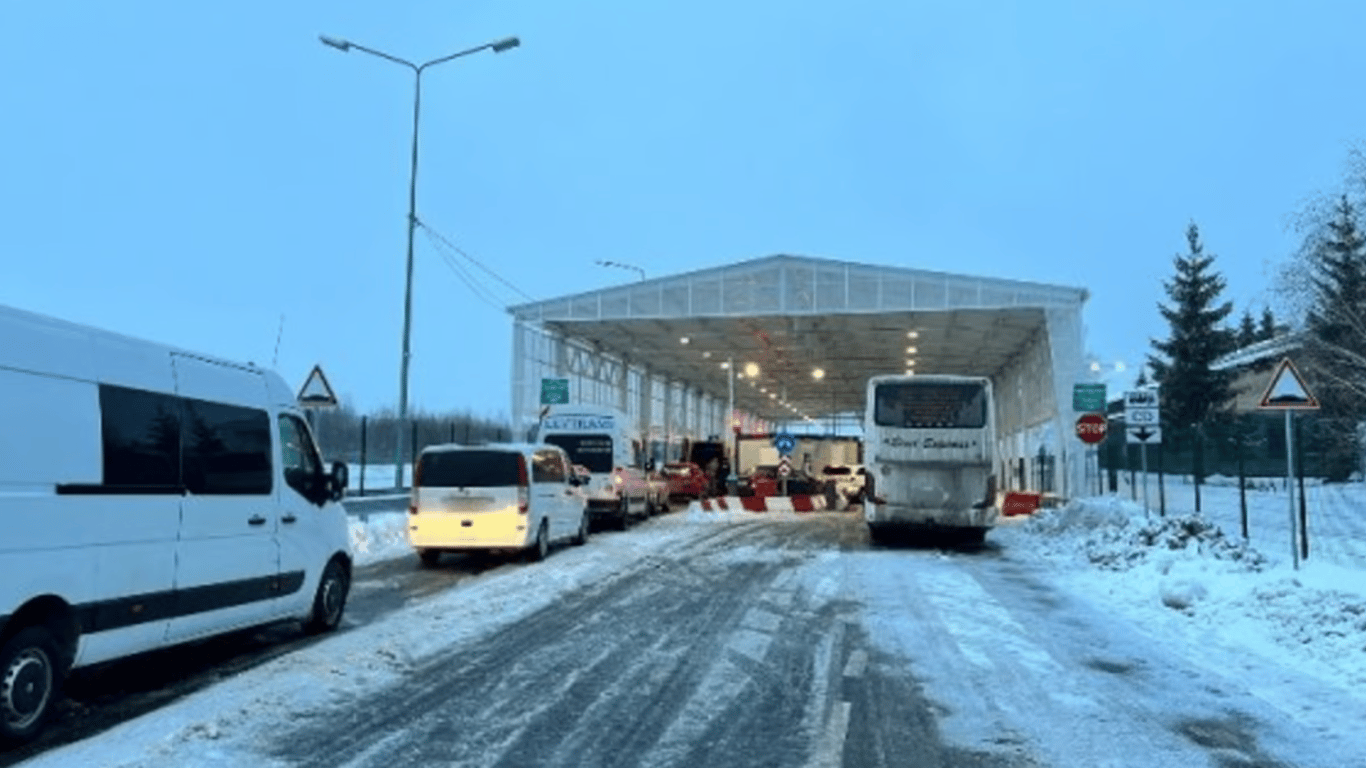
(1161, 486)
(362, 454)
(1299, 471)
(412, 426)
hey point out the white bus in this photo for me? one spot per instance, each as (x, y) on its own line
(929, 450)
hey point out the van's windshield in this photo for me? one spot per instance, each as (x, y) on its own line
(592, 451)
(470, 469)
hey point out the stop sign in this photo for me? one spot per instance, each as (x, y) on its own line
(1091, 427)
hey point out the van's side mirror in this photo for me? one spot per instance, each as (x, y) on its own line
(339, 478)
(575, 480)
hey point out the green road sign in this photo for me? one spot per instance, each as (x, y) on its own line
(1088, 398)
(554, 391)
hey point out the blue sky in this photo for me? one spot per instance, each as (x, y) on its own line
(189, 172)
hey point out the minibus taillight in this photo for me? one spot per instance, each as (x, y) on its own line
(523, 487)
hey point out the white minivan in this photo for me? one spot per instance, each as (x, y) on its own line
(149, 496)
(500, 497)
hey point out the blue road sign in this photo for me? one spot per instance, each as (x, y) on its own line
(785, 443)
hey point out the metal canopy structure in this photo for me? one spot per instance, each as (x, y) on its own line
(801, 336)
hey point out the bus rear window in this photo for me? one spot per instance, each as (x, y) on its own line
(471, 469)
(930, 406)
(592, 451)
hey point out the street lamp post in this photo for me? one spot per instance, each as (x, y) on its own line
(497, 46)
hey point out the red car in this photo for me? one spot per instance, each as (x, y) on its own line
(686, 479)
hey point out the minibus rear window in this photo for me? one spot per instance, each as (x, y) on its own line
(471, 469)
(592, 451)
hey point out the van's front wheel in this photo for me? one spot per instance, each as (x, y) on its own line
(330, 601)
(28, 683)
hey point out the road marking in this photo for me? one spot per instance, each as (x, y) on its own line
(858, 661)
(759, 619)
(830, 749)
(828, 727)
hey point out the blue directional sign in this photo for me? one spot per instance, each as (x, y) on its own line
(785, 443)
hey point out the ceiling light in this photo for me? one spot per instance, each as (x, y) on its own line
(751, 369)
(818, 374)
(912, 334)
(910, 350)
(683, 340)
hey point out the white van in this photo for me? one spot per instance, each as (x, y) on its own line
(602, 440)
(149, 496)
(494, 497)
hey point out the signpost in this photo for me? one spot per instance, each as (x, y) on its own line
(1142, 425)
(1287, 393)
(1091, 428)
(1088, 397)
(316, 393)
(554, 391)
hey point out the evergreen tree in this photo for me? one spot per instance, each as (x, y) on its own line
(1247, 330)
(1335, 321)
(1267, 330)
(1192, 394)
(1336, 326)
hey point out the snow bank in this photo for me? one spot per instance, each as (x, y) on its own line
(1184, 569)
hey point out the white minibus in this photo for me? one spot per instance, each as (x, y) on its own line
(149, 496)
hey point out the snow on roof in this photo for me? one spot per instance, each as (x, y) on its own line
(1269, 349)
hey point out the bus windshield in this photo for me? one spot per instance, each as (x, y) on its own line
(912, 405)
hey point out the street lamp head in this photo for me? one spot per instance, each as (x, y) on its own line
(506, 44)
(339, 44)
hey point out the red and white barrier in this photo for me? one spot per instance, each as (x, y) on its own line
(763, 504)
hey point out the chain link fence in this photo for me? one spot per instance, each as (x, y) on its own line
(372, 445)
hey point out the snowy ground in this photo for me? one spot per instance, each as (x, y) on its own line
(1191, 578)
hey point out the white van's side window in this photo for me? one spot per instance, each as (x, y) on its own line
(141, 436)
(547, 467)
(300, 456)
(227, 450)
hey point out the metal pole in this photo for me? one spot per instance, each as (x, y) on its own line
(408, 283)
(363, 432)
(1143, 454)
(1290, 485)
(730, 418)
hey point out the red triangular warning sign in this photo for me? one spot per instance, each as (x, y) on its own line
(1287, 390)
(316, 392)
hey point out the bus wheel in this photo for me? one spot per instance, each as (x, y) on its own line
(875, 534)
(28, 683)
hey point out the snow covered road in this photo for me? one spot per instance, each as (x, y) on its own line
(758, 640)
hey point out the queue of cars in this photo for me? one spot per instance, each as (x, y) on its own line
(161, 496)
